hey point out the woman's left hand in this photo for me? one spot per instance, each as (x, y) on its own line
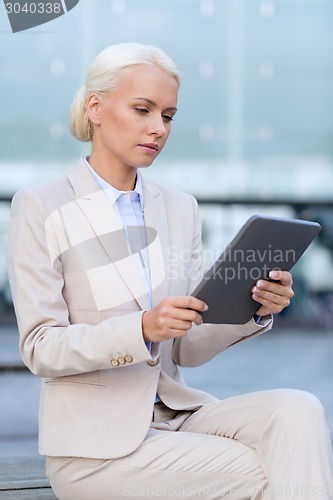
(275, 295)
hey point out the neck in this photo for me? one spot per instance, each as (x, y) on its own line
(120, 177)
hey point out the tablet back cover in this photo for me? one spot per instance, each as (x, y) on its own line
(264, 243)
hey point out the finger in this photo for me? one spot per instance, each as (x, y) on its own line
(189, 302)
(275, 303)
(171, 333)
(284, 277)
(275, 295)
(174, 333)
(263, 311)
(276, 288)
(186, 314)
(197, 304)
(180, 325)
(270, 307)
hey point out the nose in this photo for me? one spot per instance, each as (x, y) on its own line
(157, 126)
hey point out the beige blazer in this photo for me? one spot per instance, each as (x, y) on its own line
(79, 296)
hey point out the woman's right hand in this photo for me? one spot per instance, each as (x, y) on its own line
(172, 318)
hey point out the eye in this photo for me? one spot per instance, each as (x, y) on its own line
(167, 118)
(141, 111)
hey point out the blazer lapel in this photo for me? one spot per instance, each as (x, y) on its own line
(108, 230)
(156, 227)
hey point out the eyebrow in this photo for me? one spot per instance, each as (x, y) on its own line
(149, 101)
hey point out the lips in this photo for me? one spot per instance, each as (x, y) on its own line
(150, 147)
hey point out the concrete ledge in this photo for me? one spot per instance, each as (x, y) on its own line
(24, 478)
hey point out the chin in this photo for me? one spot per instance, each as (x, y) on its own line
(144, 165)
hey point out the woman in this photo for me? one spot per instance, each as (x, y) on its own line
(105, 319)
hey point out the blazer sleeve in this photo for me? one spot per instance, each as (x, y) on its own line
(49, 345)
(204, 342)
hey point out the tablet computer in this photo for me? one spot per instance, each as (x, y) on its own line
(264, 243)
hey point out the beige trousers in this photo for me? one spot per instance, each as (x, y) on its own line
(269, 444)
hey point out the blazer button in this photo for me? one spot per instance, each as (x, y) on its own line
(128, 358)
(153, 362)
(121, 360)
(114, 362)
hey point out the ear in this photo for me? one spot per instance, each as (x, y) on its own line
(93, 106)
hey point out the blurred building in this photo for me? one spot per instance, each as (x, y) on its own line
(255, 118)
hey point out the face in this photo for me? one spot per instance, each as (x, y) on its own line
(133, 122)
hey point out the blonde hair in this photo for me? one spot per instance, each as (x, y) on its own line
(107, 72)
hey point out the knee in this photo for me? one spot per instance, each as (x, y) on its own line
(299, 404)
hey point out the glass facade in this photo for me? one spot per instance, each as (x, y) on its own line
(255, 118)
(256, 99)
